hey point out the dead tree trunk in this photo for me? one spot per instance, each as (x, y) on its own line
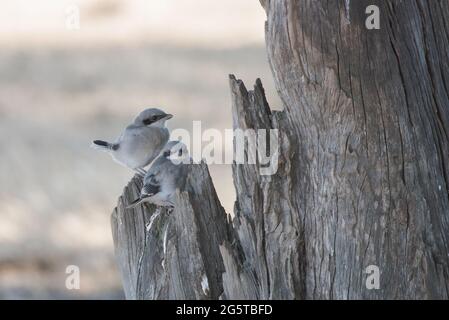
(172, 256)
(363, 169)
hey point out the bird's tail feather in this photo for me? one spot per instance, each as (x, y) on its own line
(102, 145)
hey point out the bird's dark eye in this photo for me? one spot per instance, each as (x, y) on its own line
(167, 154)
(180, 152)
(150, 120)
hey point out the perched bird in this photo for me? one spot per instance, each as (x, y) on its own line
(141, 142)
(166, 174)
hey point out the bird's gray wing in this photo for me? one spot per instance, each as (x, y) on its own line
(132, 132)
(151, 185)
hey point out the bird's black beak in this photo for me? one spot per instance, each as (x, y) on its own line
(168, 116)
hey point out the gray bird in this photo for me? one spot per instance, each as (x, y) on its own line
(141, 142)
(166, 174)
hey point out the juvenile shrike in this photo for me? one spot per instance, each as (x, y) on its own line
(166, 174)
(140, 142)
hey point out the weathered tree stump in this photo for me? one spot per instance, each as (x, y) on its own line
(362, 178)
(176, 255)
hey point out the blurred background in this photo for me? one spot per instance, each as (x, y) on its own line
(73, 71)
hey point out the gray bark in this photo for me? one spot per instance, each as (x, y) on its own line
(369, 112)
(176, 255)
(362, 178)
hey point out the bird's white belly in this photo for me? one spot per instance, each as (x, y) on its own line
(137, 154)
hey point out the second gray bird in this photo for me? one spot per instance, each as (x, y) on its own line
(141, 142)
(165, 175)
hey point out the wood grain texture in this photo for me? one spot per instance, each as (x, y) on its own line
(369, 112)
(176, 255)
(362, 177)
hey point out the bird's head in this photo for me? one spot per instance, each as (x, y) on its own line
(176, 151)
(152, 117)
